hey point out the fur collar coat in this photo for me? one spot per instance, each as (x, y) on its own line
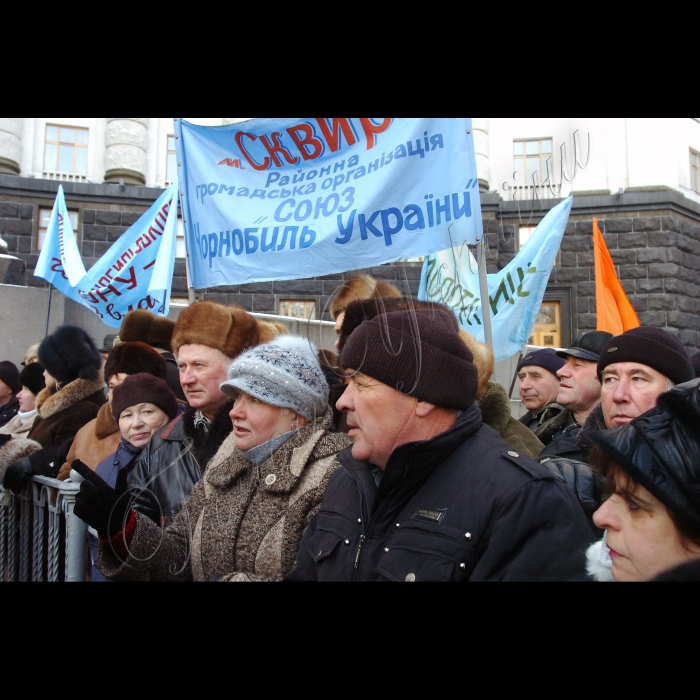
(241, 523)
(62, 413)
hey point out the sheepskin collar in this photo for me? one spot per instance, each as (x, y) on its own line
(14, 450)
(547, 430)
(105, 425)
(50, 402)
(595, 421)
(495, 408)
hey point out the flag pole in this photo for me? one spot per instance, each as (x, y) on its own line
(48, 311)
(190, 288)
(484, 291)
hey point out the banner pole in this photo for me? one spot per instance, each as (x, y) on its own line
(48, 311)
(484, 291)
(515, 376)
(190, 288)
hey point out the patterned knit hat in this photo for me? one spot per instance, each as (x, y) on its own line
(418, 353)
(282, 373)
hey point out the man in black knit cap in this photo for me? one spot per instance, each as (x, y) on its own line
(428, 492)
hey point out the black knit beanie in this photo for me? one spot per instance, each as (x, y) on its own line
(70, 354)
(418, 353)
(10, 375)
(143, 388)
(546, 358)
(32, 376)
(649, 346)
(133, 358)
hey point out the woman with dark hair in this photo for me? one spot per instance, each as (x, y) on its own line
(652, 471)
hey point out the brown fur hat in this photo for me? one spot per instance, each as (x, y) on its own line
(483, 359)
(147, 327)
(366, 309)
(269, 331)
(230, 329)
(361, 287)
(134, 358)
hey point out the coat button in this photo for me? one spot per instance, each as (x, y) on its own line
(398, 524)
(410, 578)
(468, 535)
(347, 543)
(463, 566)
(359, 520)
(270, 479)
(513, 454)
(386, 549)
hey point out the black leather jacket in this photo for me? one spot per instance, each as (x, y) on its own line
(173, 462)
(463, 506)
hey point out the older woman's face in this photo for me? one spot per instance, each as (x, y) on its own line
(642, 538)
(255, 422)
(138, 423)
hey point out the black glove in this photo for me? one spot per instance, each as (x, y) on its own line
(18, 475)
(102, 507)
(5, 437)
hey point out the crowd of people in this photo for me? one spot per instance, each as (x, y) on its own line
(222, 448)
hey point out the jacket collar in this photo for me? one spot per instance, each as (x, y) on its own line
(105, 425)
(411, 464)
(50, 402)
(286, 463)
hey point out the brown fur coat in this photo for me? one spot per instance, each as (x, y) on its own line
(241, 523)
(94, 442)
(61, 414)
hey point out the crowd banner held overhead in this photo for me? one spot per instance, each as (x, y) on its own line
(277, 199)
(59, 262)
(136, 272)
(515, 293)
(615, 313)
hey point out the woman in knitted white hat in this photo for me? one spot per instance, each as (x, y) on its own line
(245, 518)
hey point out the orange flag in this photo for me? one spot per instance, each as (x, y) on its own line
(615, 313)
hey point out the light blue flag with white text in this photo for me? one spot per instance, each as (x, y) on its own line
(136, 272)
(289, 198)
(60, 262)
(515, 293)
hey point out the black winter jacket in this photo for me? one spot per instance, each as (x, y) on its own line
(173, 462)
(9, 411)
(463, 506)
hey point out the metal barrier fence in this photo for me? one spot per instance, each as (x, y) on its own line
(40, 537)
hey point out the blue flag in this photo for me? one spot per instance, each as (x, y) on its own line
(515, 293)
(136, 272)
(59, 262)
(276, 199)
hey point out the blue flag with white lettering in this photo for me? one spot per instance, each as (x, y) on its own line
(60, 262)
(277, 199)
(136, 272)
(515, 293)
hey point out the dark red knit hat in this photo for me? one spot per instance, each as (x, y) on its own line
(132, 358)
(143, 388)
(418, 353)
(649, 346)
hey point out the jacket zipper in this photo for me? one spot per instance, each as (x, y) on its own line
(363, 522)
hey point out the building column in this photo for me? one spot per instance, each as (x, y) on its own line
(10, 144)
(482, 150)
(126, 148)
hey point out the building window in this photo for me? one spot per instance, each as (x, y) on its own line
(171, 162)
(524, 235)
(65, 150)
(547, 330)
(298, 308)
(529, 157)
(695, 171)
(45, 216)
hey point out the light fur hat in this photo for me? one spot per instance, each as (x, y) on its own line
(283, 373)
(361, 287)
